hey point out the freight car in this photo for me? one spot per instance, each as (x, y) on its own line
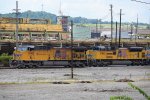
(36, 56)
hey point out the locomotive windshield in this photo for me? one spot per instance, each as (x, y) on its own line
(24, 47)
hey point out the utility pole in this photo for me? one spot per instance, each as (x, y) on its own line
(71, 49)
(127, 27)
(131, 32)
(149, 26)
(141, 1)
(16, 33)
(111, 6)
(116, 34)
(120, 27)
(97, 26)
(100, 22)
(136, 31)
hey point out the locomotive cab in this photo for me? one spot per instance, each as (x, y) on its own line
(19, 55)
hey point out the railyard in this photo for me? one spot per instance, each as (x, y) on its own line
(89, 83)
(44, 56)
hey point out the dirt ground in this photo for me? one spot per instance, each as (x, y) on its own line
(90, 83)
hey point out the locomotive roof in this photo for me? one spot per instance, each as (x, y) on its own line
(74, 48)
(79, 48)
(25, 46)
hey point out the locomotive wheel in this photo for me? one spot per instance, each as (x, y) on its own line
(83, 65)
(26, 66)
(95, 65)
(90, 65)
(21, 66)
(101, 65)
(34, 66)
(66, 66)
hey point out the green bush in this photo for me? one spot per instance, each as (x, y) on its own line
(120, 98)
(4, 54)
(4, 59)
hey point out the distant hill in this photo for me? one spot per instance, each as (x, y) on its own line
(32, 14)
(46, 15)
(53, 17)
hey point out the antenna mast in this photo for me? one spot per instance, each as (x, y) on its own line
(42, 11)
(60, 12)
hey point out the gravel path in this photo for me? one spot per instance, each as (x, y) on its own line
(102, 90)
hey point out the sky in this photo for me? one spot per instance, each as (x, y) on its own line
(94, 9)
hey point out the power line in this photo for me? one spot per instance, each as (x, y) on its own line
(141, 1)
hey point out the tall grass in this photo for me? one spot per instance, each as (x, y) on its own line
(140, 90)
(120, 98)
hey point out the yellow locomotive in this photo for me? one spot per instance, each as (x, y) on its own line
(103, 56)
(35, 56)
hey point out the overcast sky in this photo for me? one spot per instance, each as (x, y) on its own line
(85, 8)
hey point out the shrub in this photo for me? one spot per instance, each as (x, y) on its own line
(4, 54)
(4, 59)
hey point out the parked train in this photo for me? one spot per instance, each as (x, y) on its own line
(36, 56)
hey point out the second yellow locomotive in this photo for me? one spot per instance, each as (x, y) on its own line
(103, 56)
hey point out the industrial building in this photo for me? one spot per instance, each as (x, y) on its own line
(33, 29)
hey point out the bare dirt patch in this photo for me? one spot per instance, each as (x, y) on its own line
(104, 90)
(124, 80)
